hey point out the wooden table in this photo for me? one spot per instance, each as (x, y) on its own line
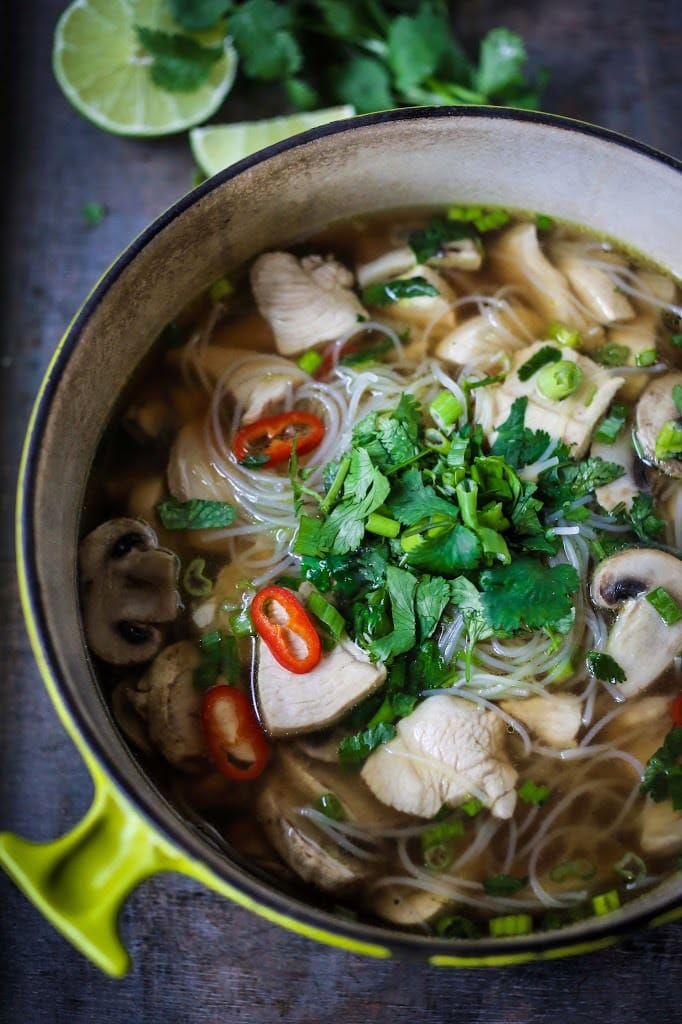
(197, 957)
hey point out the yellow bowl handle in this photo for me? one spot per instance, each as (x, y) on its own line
(80, 881)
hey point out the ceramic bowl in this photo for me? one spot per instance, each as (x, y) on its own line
(400, 159)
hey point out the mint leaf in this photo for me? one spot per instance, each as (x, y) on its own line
(180, 63)
(604, 667)
(267, 48)
(195, 15)
(197, 514)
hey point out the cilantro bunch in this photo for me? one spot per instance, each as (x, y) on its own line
(372, 54)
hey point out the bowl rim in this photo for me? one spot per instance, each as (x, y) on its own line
(287, 909)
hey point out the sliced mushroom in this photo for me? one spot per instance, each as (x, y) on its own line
(389, 264)
(445, 751)
(170, 703)
(291, 703)
(554, 719)
(293, 784)
(655, 408)
(572, 419)
(517, 257)
(639, 640)
(305, 301)
(128, 589)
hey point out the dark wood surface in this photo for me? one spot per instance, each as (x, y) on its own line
(196, 957)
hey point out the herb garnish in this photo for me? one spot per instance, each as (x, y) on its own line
(196, 514)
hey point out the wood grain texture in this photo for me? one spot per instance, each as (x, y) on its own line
(197, 957)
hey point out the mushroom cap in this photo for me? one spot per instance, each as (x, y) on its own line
(639, 640)
(654, 408)
(128, 589)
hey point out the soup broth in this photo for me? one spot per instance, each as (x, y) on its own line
(380, 570)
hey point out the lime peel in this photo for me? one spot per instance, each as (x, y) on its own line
(97, 62)
(217, 146)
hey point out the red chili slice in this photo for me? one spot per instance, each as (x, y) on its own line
(676, 710)
(285, 626)
(274, 436)
(234, 738)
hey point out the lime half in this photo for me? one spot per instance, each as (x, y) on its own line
(103, 70)
(218, 145)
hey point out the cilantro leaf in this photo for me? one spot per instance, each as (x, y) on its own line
(662, 778)
(401, 586)
(365, 83)
(454, 548)
(180, 63)
(431, 598)
(391, 439)
(412, 501)
(360, 745)
(267, 48)
(196, 514)
(383, 293)
(643, 519)
(564, 484)
(195, 15)
(603, 666)
(501, 59)
(414, 46)
(527, 594)
(517, 444)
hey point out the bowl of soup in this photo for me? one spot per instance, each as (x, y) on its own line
(363, 596)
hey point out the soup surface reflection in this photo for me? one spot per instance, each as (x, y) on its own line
(381, 570)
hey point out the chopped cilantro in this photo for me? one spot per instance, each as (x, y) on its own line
(195, 15)
(662, 778)
(516, 443)
(383, 293)
(545, 355)
(527, 594)
(604, 667)
(427, 242)
(180, 63)
(504, 885)
(531, 793)
(608, 429)
(196, 514)
(361, 744)
(93, 213)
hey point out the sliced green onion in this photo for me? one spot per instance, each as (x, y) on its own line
(605, 902)
(310, 361)
(666, 605)
(543, 357)
(631, 868)
(210, 641)
(456, 926)
(580, 868)
(559, 380)
(240, 623)
(329, 805)
(194, 581)
(439, 857)
(669, 440)
(382, 526)
(471, 807)
(610, 427)
(504, 885)
(220, 288)
(441, 832)
(676, 340)
(445, 409)
(563, 334)
(646, 358)
(612, 354)
(543, 221)
(511, 924)
(328, 615)
(532, 793)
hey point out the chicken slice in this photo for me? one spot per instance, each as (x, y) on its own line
(260, 383)
(571, 419)
(291, 703)
(305, 301)
(517, 258)
(447, 750)
(485, 341)
(554, 720)
(595, 288)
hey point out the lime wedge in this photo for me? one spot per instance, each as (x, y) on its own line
(218, 145)
(103, 70)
